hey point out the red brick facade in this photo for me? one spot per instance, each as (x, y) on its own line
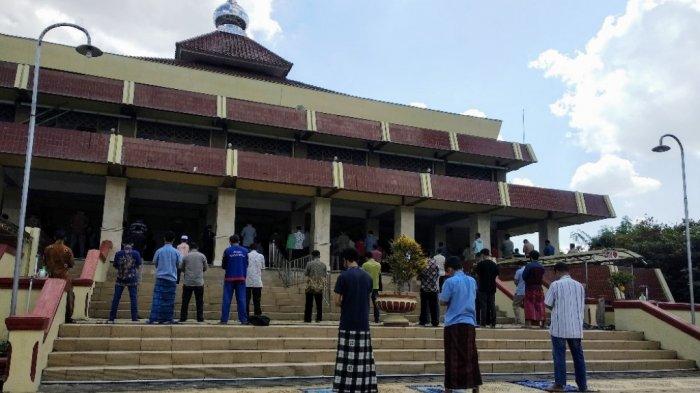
(348, 126)
(423, 137)
(55, 143)
(485, 147)
(69, 84)
(270, 115)
(596, 206)
(174, 100)
(143, 153)
(288, 170)
(7, 74)
(381, 181)
(465, 190)
(542, 199)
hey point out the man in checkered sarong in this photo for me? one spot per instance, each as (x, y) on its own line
(355, 371)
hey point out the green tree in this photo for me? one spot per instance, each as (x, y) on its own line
(661, 245)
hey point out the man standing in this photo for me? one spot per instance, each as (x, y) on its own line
(137, 235)
(183, 248)
(58, 259)
(298, 250)
(461, 356)
(374, 269)
(487, 273)
(253, 280)
(193, 266)
(572, 249)
(429, 288)
(166, 259)
(549, 249)
(478, 245)
(355, 370)
(248, 234)
(566, 299)
(519, 294)
(235, 263)
(439, 259)
(370, 241)
(377, 253)
(507, 247)
(127, 262)
(528, 248)
(315, 284)
(534, 297)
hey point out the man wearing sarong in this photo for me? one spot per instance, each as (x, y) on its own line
(355, 370)
(166, 260)
(235, 263)
(58, 260)
(534, 296)
(461, 357)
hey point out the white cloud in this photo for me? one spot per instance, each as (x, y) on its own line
(261, 20)
(419, 105)
(523, 181)
(474, 112)
(612, 175)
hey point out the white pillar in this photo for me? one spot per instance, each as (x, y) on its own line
(225, 221)
(113, 212)
(321, 228)
(479, 223)
(549, 230)
(405, 221)
(440, 236)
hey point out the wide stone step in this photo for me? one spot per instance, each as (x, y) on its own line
(68, 344)
(252, 370)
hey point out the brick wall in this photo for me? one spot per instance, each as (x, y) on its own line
(422, 137)
(55, 143)
(485, 146)
(348, 126)
(381, 181)
(174, 100)
(525, 152)
(7, 74)
(647, 276)
(598, 278)
(542, 199)
(76, 85)
(279, 169)
(176, 157)
(465, 190)
(271, 115)
(596, 206)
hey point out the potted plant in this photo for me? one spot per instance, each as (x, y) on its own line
(620, 280)
(407, 259)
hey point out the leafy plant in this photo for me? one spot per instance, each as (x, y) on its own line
(618, 279)
(407, 259)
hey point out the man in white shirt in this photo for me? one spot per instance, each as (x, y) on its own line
(248, 234)
(440, 262)
(477, 246)
(298, 250)
(566, 298)
(253, 280)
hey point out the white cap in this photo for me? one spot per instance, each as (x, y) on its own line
(184, 237)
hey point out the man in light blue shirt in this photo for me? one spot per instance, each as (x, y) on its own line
(519, 294)
(477, 246)
(461, 357)
(166, 260)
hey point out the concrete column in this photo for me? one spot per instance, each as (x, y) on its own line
(549, 230)
(479, 223)
(405, 221)
(113, 211)
(225, 221)
(440, 236)
(321, 228)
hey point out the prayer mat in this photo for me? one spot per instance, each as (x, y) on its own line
(316, 390)
(542, 385)
(427, 388)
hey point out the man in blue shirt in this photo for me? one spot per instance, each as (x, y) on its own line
(128, 263)
(166, 260)
(549, 249)
(461, 357)
(235, 262)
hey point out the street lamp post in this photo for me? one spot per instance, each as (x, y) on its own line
(661, 148)
(86, 50)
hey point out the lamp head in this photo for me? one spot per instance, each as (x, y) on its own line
(89, 51)
(660, 148)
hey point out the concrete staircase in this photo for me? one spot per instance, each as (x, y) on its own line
(100, 352)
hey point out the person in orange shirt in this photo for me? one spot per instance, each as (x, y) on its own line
(58, 260)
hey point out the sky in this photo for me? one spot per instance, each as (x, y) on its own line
(599, 80)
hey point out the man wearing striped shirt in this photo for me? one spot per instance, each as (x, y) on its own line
(566, 299)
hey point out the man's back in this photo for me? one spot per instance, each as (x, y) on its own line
(58, 259)
(459, 291)
(566, 296)
(355, 286)
(248, 234)
(194, 265)
(487, 272)
(235, 262)
(316, 276)
(507, 248)
(533, 274)
(256, 264)
(166, 260)
(440, 262)
(374, 269)
(519, 282)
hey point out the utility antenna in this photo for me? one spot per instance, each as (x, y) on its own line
(523, 125)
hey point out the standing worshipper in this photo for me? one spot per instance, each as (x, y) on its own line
(371, 241)
(183, 248)
(507, 247)
(137, 235)
(193, 266)
(235, 263)
(316, 272)
(549, 249)
(58, 260)
(355, 370)
(461, 356)
(519, 295)
(343, 241)
(487, 273)
(534, 297)
(298, 250)
(253, 280)
(166, 259)
(439, 259)
(429, 288)
(477, 245)
(566, 299)
(128, 263)
(374, 269)
(528, 248)
(377, 253)
(248, 235)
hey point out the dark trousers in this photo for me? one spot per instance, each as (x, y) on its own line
(375, 293)
(442, 281)
(487, 308)
(133, 296)
(256, 294)
(429, 309)
(308, 309)
(199, 300)
(559, 358)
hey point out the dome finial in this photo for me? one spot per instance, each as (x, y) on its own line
(231, 18)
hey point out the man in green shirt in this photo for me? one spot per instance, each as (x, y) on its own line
(374, 269)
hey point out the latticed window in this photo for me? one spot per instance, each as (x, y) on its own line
(469, 172)
(173, 133)
(404, 163)
(261, 144)
(7, 112)
(80, 121)
(328, 153)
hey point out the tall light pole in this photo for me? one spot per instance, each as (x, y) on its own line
(86, 50)
(664, 148)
